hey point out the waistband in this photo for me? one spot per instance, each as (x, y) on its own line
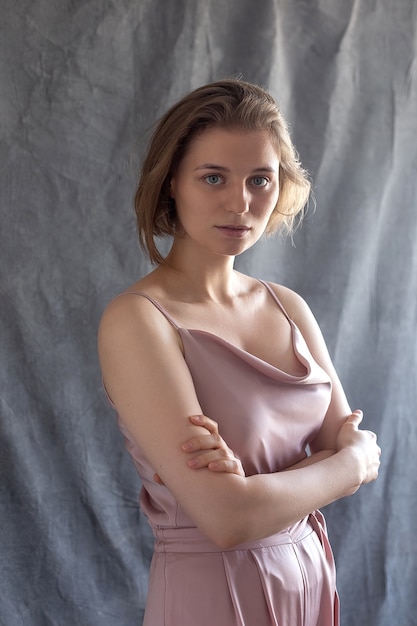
(191, 539)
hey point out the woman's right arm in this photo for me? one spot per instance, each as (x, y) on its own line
(149, 382)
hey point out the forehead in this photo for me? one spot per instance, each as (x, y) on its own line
(233, 145)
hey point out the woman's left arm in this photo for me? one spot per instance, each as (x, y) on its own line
(339, 409)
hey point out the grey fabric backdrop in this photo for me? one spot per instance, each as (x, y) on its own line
(81, 82)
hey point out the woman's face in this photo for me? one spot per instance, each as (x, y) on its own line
(225, 189)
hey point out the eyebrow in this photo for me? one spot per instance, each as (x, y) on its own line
(221, 168)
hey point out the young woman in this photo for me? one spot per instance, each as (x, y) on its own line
(223, 382)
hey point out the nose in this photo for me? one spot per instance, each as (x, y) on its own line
(238, 199)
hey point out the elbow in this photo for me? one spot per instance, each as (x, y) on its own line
(226, 541)
(229, 533)
(226, 517)
(232, 537)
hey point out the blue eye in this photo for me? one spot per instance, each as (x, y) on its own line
(259, 181)
(213, 179)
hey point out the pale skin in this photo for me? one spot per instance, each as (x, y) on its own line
(225, 190)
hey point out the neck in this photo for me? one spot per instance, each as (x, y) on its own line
(207, 276)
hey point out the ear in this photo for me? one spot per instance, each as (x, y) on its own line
(172, 188)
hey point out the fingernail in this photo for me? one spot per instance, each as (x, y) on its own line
(187, 445)
(193, 462)
(196, 418)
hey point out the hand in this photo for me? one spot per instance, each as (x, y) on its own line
(209, 451)
(212, 450)
(363, 443)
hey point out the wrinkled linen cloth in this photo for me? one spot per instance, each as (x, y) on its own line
(268, 417)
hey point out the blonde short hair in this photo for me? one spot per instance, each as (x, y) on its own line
(227, 104)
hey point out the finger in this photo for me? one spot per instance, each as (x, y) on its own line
(203, 420)
(229, 466)
(204, 458)
(204, 442)
(356, 417)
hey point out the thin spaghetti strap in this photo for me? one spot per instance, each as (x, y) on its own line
(154, 302)
(275, 297)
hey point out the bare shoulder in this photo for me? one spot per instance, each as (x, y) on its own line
(132, 311)
(294, 304)
(131, 326)
(300, 313)
(125, 307)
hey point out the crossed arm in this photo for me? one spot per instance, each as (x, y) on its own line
(212, 452)
(140, 355)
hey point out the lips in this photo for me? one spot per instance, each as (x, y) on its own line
(233, 230)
